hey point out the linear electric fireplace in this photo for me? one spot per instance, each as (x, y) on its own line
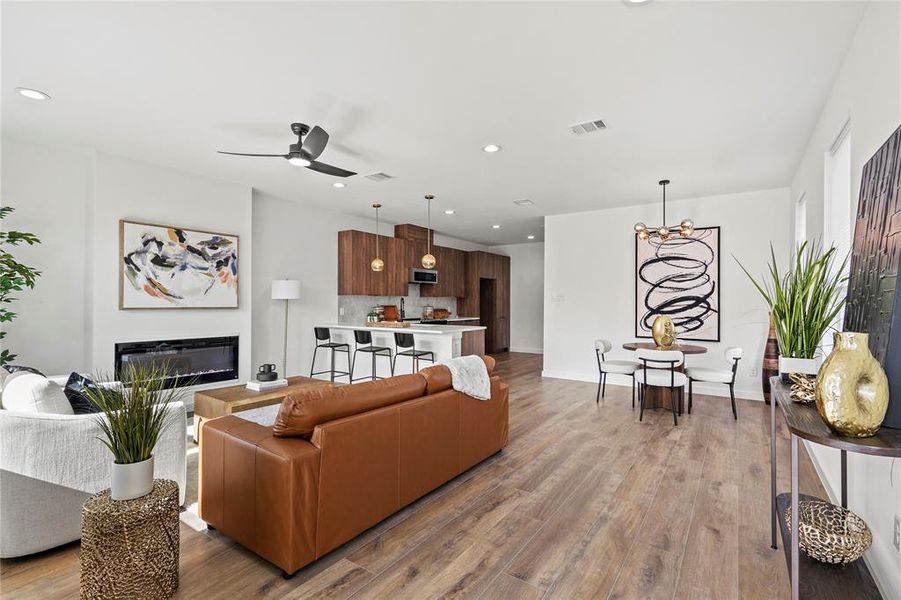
(193, 360)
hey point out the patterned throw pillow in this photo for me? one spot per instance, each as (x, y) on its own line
(80, 402)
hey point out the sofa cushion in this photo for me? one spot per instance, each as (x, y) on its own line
(75, 393)
(28, 392)
(300, 413)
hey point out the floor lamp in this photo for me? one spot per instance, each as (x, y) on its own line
(285, 289)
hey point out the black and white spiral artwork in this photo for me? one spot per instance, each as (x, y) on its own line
(680, 278)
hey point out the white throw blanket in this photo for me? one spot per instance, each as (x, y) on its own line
(469, 376)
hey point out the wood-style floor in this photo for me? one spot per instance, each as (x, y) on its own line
(585, 502)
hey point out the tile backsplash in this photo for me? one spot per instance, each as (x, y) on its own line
(355, 308)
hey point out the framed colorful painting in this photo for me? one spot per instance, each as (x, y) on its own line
(679, 278)
(173, 267)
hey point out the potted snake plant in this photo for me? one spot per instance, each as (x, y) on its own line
(131, 417)
(804, 302)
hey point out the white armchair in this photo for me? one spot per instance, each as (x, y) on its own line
(50, 464)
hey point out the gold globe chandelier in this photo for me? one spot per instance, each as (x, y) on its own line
(377, 263)
(664, 232)
(428, 261)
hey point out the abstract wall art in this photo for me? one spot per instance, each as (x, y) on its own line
(173, 267)
(679, 278)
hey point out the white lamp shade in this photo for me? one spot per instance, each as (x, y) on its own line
(285, 289)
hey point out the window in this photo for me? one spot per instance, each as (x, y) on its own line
(838, 210)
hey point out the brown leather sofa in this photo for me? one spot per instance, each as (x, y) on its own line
(340, 459)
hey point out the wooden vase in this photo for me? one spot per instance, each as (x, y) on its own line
(770, 366)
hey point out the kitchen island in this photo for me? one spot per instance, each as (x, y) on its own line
(446, 341)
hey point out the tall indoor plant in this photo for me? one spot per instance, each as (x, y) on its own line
(133, 415)
(804, 302)
(14, 276)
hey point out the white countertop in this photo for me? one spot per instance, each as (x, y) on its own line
(430, 329)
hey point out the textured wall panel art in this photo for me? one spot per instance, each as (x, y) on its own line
(172, 267)
(679, 278)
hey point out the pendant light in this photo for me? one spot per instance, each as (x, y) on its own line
(377, 263)
(664, 232)
(428, 261)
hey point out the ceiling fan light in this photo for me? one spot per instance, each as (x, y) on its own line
(299, 161)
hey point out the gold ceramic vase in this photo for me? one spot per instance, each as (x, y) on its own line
(664, 332)
(852, 389)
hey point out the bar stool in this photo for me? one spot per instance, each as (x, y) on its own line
(365, 337)
(324, 340)
(406, 340)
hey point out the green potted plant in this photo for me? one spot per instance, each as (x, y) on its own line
(14, 276)
(804, 302)
(133, 413)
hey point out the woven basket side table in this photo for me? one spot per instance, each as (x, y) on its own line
(129, 548)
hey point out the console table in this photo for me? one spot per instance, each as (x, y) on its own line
(218, 402)
(811, 578)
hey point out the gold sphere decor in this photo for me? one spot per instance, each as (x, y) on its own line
(830, 533)
(664, 332)
(377, 264)
(428, 261)
(852, 389)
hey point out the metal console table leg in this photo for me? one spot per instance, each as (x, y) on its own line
(773, 511)
(795, 570)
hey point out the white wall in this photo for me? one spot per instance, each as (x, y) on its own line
(867, 92)
(589, 271)
(126, 189)
(50, 189)
(526, 295)
(73, 200)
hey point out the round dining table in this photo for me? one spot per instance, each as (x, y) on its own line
(658, 397)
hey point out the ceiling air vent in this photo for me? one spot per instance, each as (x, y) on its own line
(587, 127)
(379, 176)
(524, 202)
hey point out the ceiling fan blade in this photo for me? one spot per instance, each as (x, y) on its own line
(314, 142)
(244, 154)
(330, 170)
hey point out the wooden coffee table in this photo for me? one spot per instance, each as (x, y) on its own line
(218, 402)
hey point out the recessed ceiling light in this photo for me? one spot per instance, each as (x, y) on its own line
(491, 148)
(637, 1)
(448, 212)
(530, 236)
(338, 184)
(32, 94)
(495, 226)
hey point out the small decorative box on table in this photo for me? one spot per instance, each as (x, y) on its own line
(129, 548)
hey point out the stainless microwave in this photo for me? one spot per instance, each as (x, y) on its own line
(423, 275)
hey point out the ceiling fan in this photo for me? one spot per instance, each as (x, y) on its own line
(305, 152)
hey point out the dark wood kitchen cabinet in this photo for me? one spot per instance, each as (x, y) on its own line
(487, 295)
(451, 267)
(356, 249)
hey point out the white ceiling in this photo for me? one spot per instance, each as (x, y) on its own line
(719, 97)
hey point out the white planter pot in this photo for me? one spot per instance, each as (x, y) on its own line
(807, 366)
(133, 480)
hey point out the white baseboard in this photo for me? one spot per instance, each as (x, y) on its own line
(527, 350)
(708, 389)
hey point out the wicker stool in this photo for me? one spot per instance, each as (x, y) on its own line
(129, 548)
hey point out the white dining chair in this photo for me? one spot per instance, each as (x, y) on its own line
(658, 369)
(724, 376)
(622, 367)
